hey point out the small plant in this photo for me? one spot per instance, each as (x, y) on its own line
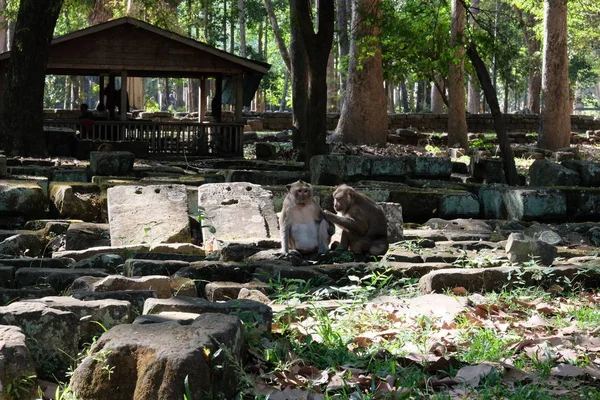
(21, 388)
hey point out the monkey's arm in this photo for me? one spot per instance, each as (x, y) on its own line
(346, 223)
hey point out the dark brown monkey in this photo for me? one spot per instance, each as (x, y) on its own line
(363, 222)
(301, 222)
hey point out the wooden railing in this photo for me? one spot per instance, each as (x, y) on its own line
(177, 138)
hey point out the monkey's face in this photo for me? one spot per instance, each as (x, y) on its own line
(343, 197)
(302, 194)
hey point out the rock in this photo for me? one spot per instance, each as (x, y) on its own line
(3, 171)
(8, 296)
(106, 312)
(589, 172)
(522, 249)
(222, 291)
(22, 244)
(430, 167)
(135, 297)
(255, 295)
(76, 200)
(265, 151)
(58, 279)
(582, 203)
(53, 229)
(534, 204)
(81, 236)
(459, 205)
(247, 310)
(111, 163)
(24, 262)
(19, 197)
(389, 167)
(16, 364)
(52, 336)
(237, 210)
(335, 169)
(438, 306)
(547, 173)
(256, 124)
(135, 267)
(164, 286)
(123, 251)
(393, 213)
(148, 214)
(163, 356)
(487, 170)
(108, 262)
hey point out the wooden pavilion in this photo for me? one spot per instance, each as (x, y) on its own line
(128, 47)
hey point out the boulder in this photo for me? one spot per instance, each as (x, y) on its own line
(111, 163)
(148, 214)
(547, 173)
(237, 210)
(17, 366)
(81, 236)
(163, 357)
(22, 244)
(76, 200)
(521, 249)
(52, 335)
(24, 198)
(589, 172)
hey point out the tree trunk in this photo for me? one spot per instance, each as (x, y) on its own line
(22, 113)
(283, 51)
(283, 103)
(3, 26)
(318, 46)
(508, 159)
(457, 119)
(420, 96)
(364, 119)
(528, 23)
(343, 46)
(404, 92)
(389, 92)
(473, 90)
(242, 22)
(437, 101)
(299, 69)
(555, 120)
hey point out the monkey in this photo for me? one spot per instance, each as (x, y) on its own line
(301, 222)
(105, 147)
(363, 222)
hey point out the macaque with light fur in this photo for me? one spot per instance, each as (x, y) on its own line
(301, 222)
(363, 222)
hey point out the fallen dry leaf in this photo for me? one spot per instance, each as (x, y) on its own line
(472, 374)
(567, 371)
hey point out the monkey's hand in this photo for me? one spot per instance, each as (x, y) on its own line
(326, 213)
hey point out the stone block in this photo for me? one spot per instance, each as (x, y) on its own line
(459, 205)
(223, 291)
(521, 249)
(582, 203)
(589, 172)
(531, 204)
(76, 200)
(547, 173)
(70, 175)
(430, 167)
(237, 210)
(488, 170)
(148, 214)
(111, 163)
(393, 213)
(335, 169)
(20, 197)
(81, 236)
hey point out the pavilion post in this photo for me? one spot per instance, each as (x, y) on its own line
(202, 92)
(101, 84)
(2, 86)
(239, 97)
(123, 107)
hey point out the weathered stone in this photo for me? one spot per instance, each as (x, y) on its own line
(237, 210)
(108, 262)
(53, 229)
(547, 173)
(265, 151)
(491, 199)
(111, 163)
(418, 205)
(3, 171)
(393, 213)
(459, 205)
(135, 267)
(37, 262)
(148, 214)
(123, 251)
(8, 296)
(222, 291)
(589, 172)
(534, 204)
(70, 175)
(76, 200)
(583, 203)
(16, 364)
(430, 167)
(37, 224)
(58, 279)
(81, 236)
(162, 285)
(335, 169)
(414, 269)
(247, 310)
(106, 312)
(51, 335)
(20, 197)
(488, 170)
(437, 306)
(388, 167)
(162, 356)
(255, 295)
(522, 249)
(22, 244)
(135, 297)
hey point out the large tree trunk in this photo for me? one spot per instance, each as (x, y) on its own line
(528, 23)
(299, 68)
(508, 159)
(3, 27)
(555, 120)
(457, 119)
(21, 117)
(343, 45)
(317, 45)
(364, 118)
